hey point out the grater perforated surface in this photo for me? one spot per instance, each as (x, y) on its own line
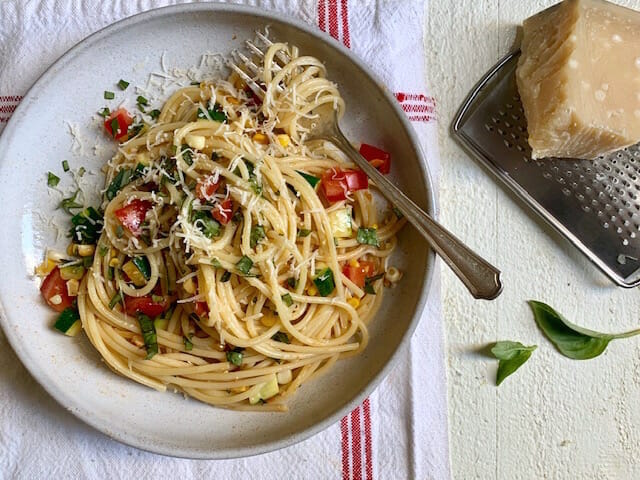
(594, 203)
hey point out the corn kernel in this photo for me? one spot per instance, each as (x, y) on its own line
(56, 299)
(134, 274)
(283, 139)
(312, 290)
(375, 225)
(233, 101)
(197, 142)
(261, 138)
(45, 267)
(239, 389)
(354, 302)
(354, 263)
(189, 286)
(114, 262)
(72, 249)
(86, 250)
(73, 286)
(268, 320)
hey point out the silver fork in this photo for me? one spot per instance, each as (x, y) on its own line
(480, 277)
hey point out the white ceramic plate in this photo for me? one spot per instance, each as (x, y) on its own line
(37, 139)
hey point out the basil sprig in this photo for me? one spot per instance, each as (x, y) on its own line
(571, 340)
(511, 355)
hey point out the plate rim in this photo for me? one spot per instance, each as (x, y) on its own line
(79, 411)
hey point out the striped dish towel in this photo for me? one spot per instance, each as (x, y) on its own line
(399, 432)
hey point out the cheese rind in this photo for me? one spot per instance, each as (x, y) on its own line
(579, 79)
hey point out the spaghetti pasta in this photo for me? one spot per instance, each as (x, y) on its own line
(236, 260)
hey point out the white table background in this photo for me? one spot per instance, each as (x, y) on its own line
(555, 417)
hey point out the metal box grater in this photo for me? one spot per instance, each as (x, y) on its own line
(594, 203)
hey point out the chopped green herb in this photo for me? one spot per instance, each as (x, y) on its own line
(105, 112)
(87, 226)
(324, 282)
(304, 232)
(122, 84)
(225, 277)
(398, 213)
(109, 95)
(235, 356)
(216, 113)
(67, 204)
(142, 264)
(122, 178)
(216, 263)
(135, 129)
(292, 282)
(149, 335)
(188, 345)
(65, 165)
(52, 179)
(141, 100)
(511, 355)
(119, 231)
(368, 236)
(81, 171)
(117, 298)
(313, 181)
(206, 224)
(154, 113)
(87, 261)
(257, 234)
(103, 250)
(281, 337)
(110, 273)
(244, 265)
(287, 300)
(115, 127)
(255, 186)
(368, 283)
(187, 154)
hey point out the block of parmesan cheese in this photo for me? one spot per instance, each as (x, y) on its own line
(579, 79)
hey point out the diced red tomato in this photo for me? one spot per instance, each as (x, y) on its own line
(376, 157)
(132, 215)
(223, 211)
(201, 308)
(53, 286)
(337, 184)
(206, 187)
(146, 305)
(359, 274)
(124, 121)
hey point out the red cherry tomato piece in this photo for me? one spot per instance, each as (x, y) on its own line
(359, 274)
(146, 305)
(223, 211)
(206, 188)
(376, 157)
(55, 286)
(132, 215)
(120, 120)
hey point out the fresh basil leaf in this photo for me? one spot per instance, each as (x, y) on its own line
(511, 355)
(571, 340)
(257, 234)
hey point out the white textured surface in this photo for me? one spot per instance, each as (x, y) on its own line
(555, 418)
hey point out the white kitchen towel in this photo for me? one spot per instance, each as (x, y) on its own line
(399, 432)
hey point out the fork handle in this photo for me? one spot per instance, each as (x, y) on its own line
(480, 277)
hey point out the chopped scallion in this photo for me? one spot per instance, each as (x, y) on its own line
(292, 282)
(154, 113)
(235, 356)
(69, 203)
(226, 276)
(188, 344)
(244, 265)
(109, 95)
(304, 232)
(313, 181)
(149, 335)
(287, 300)
(117, 298)
(122, 84)
(257, 234)
(368, 236)
(141, 100)
(65, 165)
(324, 282)
(105, 112)
(206, 224)
(281, 337)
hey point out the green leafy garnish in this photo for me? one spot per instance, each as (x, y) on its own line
(287, 300)
(292, 282)
(87, 226)
(65, 165)
(206, 224)
(511, 355)
(154, 113)
(244, 265)
(235, 356)
(105, 112)
(304, 232)
(281, 337)
(571, 340)
(149, 335)
(368, 283)
(141, 100)
(324, 282)
(187, 154)
(109, 95)
(67, 204)
(122, 84)
(52, 179)
(117, 298)
(188, 344)
(313, 181)
(122, 178)
(216, 263)
(257, 234)
(216, 113)
(368, 236)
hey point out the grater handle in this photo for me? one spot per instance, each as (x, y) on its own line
(480, 277)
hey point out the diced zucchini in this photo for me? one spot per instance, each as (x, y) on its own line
(143, 265)
(324, 282)
(161, 323)
(68, 322)
(74, 272)
(340, 221)
(269, 389)
(134, 274)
